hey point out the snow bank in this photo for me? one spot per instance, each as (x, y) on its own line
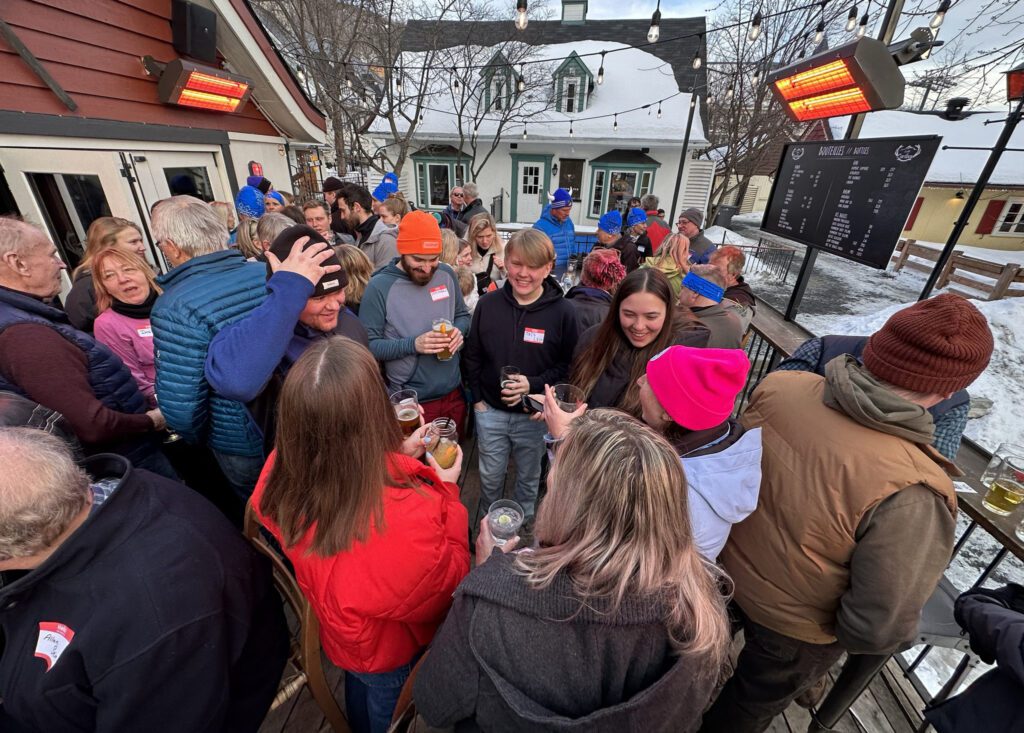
(1002, 382)
(721, 235)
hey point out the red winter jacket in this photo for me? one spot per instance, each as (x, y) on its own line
(380, 601)
(657, 230)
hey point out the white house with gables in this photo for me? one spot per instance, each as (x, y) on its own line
(606, 160)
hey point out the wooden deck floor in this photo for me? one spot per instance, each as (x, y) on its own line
(889, 705)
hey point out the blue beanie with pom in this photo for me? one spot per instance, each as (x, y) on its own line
(249, 202)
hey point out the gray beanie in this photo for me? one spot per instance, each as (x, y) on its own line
(694, 215)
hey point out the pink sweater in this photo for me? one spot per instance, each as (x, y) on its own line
(132, 340)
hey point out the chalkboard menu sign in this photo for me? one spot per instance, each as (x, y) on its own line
(849, 197)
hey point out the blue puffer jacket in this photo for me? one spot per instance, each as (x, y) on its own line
(201, 297)
(109, 378)
(562, 234)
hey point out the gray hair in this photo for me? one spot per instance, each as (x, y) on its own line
(270, 225)
(649, 202)
(191, 224)
(471, 191)
(14, 235)
(709, 273)
(41, 491)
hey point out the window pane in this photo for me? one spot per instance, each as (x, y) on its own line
(192, 181)
(439, 184)
(460, 175)
(530, 184)
(598, 194)
(570, 97)
(623, 186)
(70, 203)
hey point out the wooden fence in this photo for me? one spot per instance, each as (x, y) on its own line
(993, 280)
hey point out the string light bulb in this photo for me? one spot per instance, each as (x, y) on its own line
(755, 27)
(730, 92)
(851, 19)
(521, 19)
(757, 73)
(659, 110)
(940, 15)
(863, 27)
(615, 124)
(655, 31)
(819, 33)
(524, 132)
(521, 82)
(571, 133)
(600, 71)
(455, 76)
(696, 63)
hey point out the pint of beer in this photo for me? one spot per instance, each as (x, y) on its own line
(406, 410)
(443, 326)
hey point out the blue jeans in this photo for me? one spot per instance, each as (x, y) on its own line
(500, 434)
(370, 698)
(242, 472)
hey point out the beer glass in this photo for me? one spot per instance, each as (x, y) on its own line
(443, 326)
(504, 518)
(569, 396)
(508, 375)
(1007, 489)
(407, 410)
(1004, 450)
(442, 441)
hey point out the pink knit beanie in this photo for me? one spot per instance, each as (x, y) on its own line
(698, 387)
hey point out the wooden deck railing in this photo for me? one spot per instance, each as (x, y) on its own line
(993, 280)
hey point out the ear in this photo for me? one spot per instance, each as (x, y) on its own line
(13, 262)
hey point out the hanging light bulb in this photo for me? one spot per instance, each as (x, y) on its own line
(476, 129)
(521, 19)
(615, 124)
(571, 133)
(851, 19)
(696, 63)
(655, 31)
(863, 27)
(757, 73)
(819, 33)
(521, 82)
(940, 15)
(455, 76)
(755, 27)
(730, 92)
(600, 71)
(659, 110)
(524, 132)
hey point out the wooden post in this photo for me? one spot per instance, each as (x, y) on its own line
(1003, 283)
(947, 270)
(904, 249)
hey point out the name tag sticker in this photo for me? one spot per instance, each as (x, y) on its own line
(145, 332)
(53, 639)
(439, 293)
(533, 335)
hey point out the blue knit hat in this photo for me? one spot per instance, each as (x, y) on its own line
(249, 202)
(610, 222)
(561, 199)
(636, 216)
(388, 186)
(278, 197)
(703, 287)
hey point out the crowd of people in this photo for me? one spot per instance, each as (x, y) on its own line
(656, 522)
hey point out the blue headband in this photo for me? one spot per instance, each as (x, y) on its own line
(703, 287)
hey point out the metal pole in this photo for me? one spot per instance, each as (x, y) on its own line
(891, 20)
(683, 156)
(972, 201)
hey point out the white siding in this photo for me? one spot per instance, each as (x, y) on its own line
(697, 185)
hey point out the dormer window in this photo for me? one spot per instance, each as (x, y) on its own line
(573, 84)
(499, 88)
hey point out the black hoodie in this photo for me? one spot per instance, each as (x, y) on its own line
(539, 338)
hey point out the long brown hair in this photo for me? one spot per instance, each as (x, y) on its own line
(610, 340)
(103, 297)
(102, 233)
(357, 267)
(617, 521)
(335, 429)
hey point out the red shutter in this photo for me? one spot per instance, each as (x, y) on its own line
(913, 214)
(990, 217)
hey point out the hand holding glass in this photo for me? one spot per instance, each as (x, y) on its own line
(407, 410)
(504, 519)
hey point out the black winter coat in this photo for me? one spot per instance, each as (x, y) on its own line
(994, 619)
(591, 305)
(155, 615)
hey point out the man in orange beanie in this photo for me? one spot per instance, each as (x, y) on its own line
(855, 521)
(415, 317)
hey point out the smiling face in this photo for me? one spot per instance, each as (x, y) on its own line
(130, 240)
(124, 281)
(641, 317)
(526, 281)
(457, 198)
(420, 268)
(465, 258)
(321, 313)
(652, 412)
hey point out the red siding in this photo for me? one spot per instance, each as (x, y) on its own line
(990, 217)
(92, 49)
(913, 214)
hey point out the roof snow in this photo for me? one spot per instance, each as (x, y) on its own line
(632, 78)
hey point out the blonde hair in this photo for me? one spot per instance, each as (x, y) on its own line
(102, 233)
(672, 247)
(617, 522)
(467, 280)
(225, 211)
(449, 247)
(247, 239)
(396, 205)
(358, 267)
(103, 297)
(533, 246)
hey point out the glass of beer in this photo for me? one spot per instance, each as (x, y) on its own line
(508, 375)
(1007, 489)
(443, 326)
(1004, 450)
(407, 410)
(442, 441)
(569, 396)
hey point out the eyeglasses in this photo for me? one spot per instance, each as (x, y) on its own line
(457, 195)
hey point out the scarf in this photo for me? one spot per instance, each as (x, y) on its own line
(139, 312)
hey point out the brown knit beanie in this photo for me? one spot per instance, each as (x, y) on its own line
(939, 345)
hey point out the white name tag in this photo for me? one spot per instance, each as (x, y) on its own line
(53, 639)
(439, 293)
(145, 332)
(533, 335)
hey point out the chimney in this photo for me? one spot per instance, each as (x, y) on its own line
(955, 108)
(574, 12)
